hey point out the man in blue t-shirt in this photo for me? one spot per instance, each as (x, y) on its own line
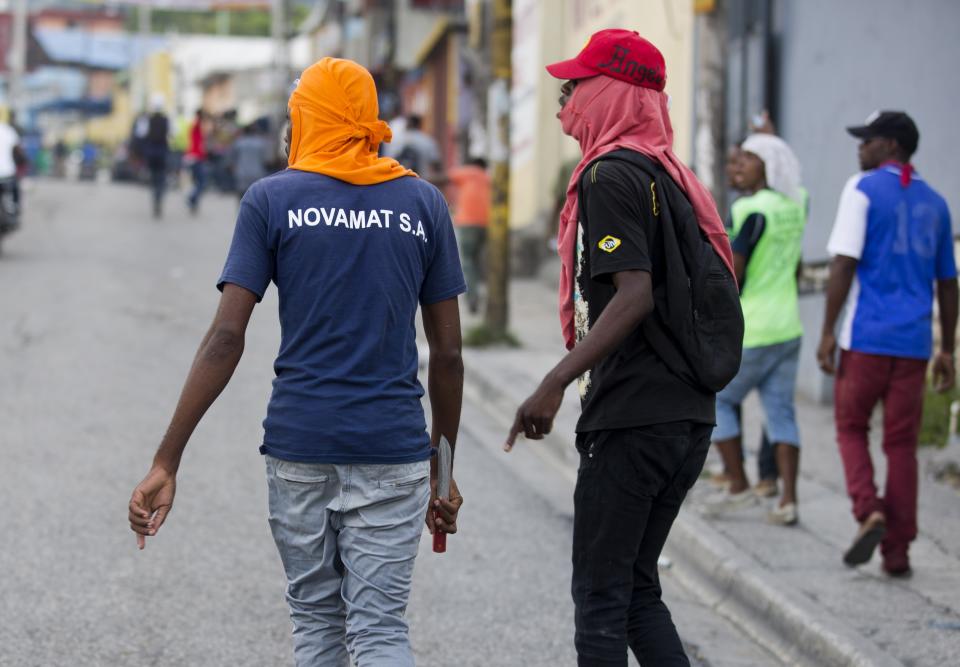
(354, 243)
(891, 243)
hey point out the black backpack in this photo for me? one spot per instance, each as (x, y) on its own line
(696, 326)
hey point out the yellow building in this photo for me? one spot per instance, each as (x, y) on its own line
(546, 31)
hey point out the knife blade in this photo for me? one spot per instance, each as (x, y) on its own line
(444, 473)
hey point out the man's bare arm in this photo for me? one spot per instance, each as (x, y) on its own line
(631, 303)
(947, 303)
(214, 364)
(739, 267)
(842, 271)
(215, 361)
(441, 323)
(944, 366)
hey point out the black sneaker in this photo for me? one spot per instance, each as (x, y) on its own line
(868, 537)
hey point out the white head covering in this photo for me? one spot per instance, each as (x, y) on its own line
(158, 102)
(779, 161)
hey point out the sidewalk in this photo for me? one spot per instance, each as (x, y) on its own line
(785, 587)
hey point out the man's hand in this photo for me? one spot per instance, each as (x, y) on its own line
(632, 302)
(827, 353)
(765, 124)
(535, 416)
(151, 502)
(441, 513)
(944, 372)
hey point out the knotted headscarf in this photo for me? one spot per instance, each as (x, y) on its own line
(605, 114)
(335, 129)
(780, 164)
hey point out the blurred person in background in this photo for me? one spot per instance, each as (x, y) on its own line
(355, 243)
(223, 133)
(36, 155)
(138, 135)
(196, 159)
(767, 473)
(21, 158)
(470, 197)
(60, 154)
(89, 160)
(155, 148)
(248, 158)
(12, 158)
(767, 231)
(418, 151)
(892, 241)
(766, 487)
(398, 125)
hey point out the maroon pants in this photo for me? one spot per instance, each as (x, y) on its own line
(862, 381)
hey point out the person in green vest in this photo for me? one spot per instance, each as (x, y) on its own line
(767, 234)
(767, 473)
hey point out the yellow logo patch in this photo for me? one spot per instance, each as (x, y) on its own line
(609, 243)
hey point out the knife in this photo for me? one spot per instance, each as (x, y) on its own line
(444, 472)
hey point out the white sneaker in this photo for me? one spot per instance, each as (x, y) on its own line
(730, 502)
(784, 516)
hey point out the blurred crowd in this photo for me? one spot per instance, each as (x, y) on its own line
(209, 151)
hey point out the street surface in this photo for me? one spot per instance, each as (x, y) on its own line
(101, 310)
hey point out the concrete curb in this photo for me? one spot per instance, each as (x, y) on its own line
(784, 622)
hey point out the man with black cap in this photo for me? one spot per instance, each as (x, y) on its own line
(891, 242)
(644, 431)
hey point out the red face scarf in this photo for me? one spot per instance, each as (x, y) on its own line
(605, 114)
(334, 125)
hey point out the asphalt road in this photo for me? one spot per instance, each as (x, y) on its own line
(101, 309)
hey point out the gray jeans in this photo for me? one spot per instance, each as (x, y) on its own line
(348, 537)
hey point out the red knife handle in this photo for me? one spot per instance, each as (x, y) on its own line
(439, 539)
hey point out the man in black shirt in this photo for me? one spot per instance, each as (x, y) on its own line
(156, 151)
(644, 432)
(618, 229)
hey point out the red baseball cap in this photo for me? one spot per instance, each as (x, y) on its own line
(619, 54)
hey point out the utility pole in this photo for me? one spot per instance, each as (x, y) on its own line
(498, 114)
(17, 59)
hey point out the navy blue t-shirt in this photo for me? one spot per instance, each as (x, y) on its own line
(350, 263)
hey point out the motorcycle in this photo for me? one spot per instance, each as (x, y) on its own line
(9, 207)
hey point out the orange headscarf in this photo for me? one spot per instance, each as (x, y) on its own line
(334, 126)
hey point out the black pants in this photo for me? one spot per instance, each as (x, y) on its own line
(158, 186)
(630, 485)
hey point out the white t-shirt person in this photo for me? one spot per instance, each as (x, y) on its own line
(9, 139)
